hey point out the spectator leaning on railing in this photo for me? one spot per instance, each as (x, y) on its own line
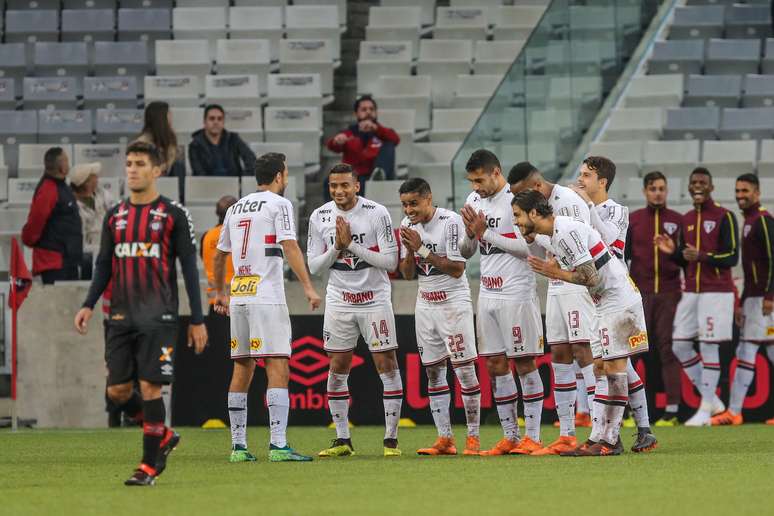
(53, 227)
(214, 151)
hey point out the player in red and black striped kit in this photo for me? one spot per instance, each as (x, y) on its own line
(141, 239)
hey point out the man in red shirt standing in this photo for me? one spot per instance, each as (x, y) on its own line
(366, 145)
(658, 279)
(706, 309)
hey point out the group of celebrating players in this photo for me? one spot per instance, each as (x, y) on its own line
(522, 225)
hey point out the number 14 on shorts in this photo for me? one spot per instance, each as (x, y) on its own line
(381, 335)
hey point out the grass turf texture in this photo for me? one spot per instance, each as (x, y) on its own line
(701, 471)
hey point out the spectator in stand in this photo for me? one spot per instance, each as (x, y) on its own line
(366, 145)
(208, 247)
(93, 203)
(157, 130)
(53, 227)
(658, 278)
(214, 151)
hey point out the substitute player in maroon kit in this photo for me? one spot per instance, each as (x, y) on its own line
(658, 279)
(754, 316)
(705, 312)
(141, 239)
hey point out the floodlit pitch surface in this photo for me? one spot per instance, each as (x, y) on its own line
(702, 471)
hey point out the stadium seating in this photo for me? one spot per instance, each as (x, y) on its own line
(464, 22)
(144, 24)
(378, 58)
(443, 61)
(177, 90)
(257, 22)
(232, 90)
(184, 57)
(244, 56)
(109, 155)
(248, 122)
(88, 24)
(410, 92)
(198, 23)
(312, 22)
(308, 56)
(295, 124)
(395, 24)
(110, 92)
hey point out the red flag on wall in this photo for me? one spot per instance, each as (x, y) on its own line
(21, 278)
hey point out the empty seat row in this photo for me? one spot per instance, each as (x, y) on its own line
(672, 90)
(712, 56)
(717, 21)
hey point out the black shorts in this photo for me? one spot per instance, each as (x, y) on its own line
(142, 353)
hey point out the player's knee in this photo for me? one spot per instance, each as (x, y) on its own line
(119, 394)
(561, 354)
(525, 365)
(340, 362)
(497, 366)
(466, 375)
(436, 374)
(150, 391)
(582, 353)
(599, 368)
(746, 351)
(385, 362)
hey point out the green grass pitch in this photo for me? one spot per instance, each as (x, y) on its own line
(702, 471)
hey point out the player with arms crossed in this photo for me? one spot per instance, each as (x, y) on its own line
(705, 312)
(586, 260)
(611, 220)
(754, 316)
(352, 238)
(444, 312)
(141, 238)
(569, 312)
(258, 231)
(509, 323)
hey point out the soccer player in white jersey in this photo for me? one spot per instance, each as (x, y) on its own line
(569, 312)
(257, 231)
(586, 260)
(509, 323)
(431, 238)
(352, 238)
(611, 220)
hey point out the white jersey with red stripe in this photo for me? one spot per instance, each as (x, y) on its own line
(353, 283)
(566, 203)
(576, 243)
(442, 236)
(503, 276)
(614, 222)
(252, 232)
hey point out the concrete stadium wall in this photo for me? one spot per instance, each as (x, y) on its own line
(62, 374)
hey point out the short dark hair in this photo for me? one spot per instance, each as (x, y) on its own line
(484, 159)
(210, 107)
(700, 170)
(342, 168)
(521, 171)
(750, 178)
(415, 185)
(653, 176)
(267, 166)
(153, 153)
(364, 98)
(51, 158)
(604, 168)
(529, 199)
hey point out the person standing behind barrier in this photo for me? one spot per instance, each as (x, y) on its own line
(157, 129)
(209, 246)
(658, 279)
(93, 203)
(53, 228)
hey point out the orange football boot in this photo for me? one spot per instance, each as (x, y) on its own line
(563, 444)
(503, 447)
(770, 421)
(727, 418)
(526, 446)
(582, 420)
(441, 446)
(472, 446)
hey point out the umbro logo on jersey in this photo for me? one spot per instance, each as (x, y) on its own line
(138, 250)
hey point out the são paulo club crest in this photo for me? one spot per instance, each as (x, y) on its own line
(670, 227)
(709, 225)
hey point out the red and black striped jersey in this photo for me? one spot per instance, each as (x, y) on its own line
(142, 242)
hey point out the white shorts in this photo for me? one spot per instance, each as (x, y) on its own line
(621, 334)
(706, 316)
(509, 327)
(445, 331)
(260, 331)
(570, 318)
(757, 327)
(342, 329)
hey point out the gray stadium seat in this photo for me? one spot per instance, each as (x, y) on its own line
(122, 58)
(713, 90)
(697, 22)
(730, 158)
(766, 161)
(31, 157)
(767, 63)
(232, 90)
(452, 125)
(732, 56)
(461, 22)
(691, 123)
(88, 24)
(60, 59)
(207, 190)
(147, 4)
(177, 90)
(474, 91)
(758, 91)
(57, 92)
(379, 58)
(444, 60)
(402, 121)
(118, 125)
(308, 56)
(17, 127)
(110, 92)
(748, 21)
(294, 89)
(112, 157)
(385, 192)
(13, 61)
(517, 22)
(747, 123)
(169, 187)
(186, 121)
(8, 93)
(200, 23)
(248, 122)
(144, 24)
(257, 22)
(244, 56)
(295, 124)
(395, 23)
(31, 25)
(412, 92)
(61, 126)
(21, 190)
(183, 57)
(634, 124)
(313, 22)
(662, 90)
(495, 57)
(90, 4)
(677, 56)
(671, 157)
(426, 8)
(627, 155)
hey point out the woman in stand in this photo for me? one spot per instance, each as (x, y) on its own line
(157, 129)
